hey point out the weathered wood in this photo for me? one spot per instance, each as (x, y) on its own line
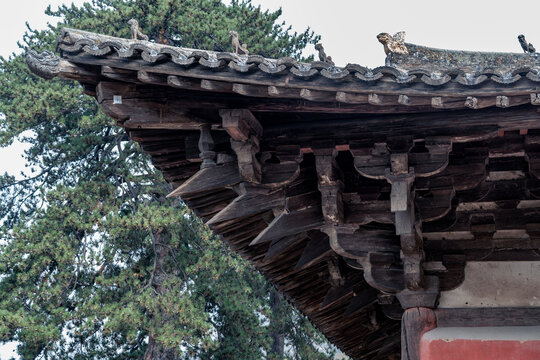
(317, 249)
(450, 89)
(248, 165)
(279, 92)
(258, 104)
(302, 213)
(402, 204)
(357, 243)
(250, 203)
(375, 99)
(330, 186)
(439, 102)
(424, 298)
(335, 295)
(412, 255)
(435, 205)
(206, 147)
(68, 70)
(250, 90)
(379, 269)
(291, 222)
(241, 124)
(216, 86)
(190, 123)
(315, 95)
(414, 324)
(360, 212)
(118, 74)
(351, 98)
(474, 317)
(360, 301)
(474, 192)
(245, 132)
(282, 245)
(279, 175)
(384, 277)
(209, 179)
(392, 311)
(183, 83)
(180, 172)
(151, 78)
(373, 162)
(142, 114)
(404, 100)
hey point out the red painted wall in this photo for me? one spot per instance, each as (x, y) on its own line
(509, 343)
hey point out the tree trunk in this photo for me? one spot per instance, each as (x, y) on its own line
(156, 351)
(278, 337)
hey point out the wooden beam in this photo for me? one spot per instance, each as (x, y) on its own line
(320, 83)
(282, 245)
(151, 78)
(330, 186)
(206, 147)
(315, 95)
(250, 203)
(216, 86)
(474, 317)
(335, 295)
(296, 218)
(360, 212)
(425, 297)
(240, 124)
(288, 223)
(361, 299)
(382, 273)
(209, 179)
(279, 92)
(439, 102)
(183, 83)
(250, 90)
(119, 100)
(414, 324)
(351, 98)
(245, 132)
(317, 249)
(119, 74)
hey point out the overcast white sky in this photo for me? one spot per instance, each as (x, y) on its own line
(348, 29)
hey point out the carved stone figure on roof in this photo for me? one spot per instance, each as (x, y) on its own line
(528, 48)
(393, 44)
(237, 48)
(45, 64)
(322, 55)
(136, 33)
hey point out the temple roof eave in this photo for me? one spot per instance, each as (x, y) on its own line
(416, 86)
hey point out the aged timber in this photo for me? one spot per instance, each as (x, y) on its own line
(362, 194)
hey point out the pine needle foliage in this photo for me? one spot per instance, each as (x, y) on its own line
(95, 262)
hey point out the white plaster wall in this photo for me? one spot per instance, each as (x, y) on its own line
(496, 284)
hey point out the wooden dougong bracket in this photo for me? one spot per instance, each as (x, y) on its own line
(402, 205)
(206, 147)
(419, 291)
(246, 132)
(330, 185)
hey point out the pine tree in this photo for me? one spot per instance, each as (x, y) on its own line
(95, 262)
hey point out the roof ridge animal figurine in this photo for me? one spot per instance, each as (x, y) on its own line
(237, 48)
(322, 55)
(136, 33)
(393, 44)
(528, 48)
